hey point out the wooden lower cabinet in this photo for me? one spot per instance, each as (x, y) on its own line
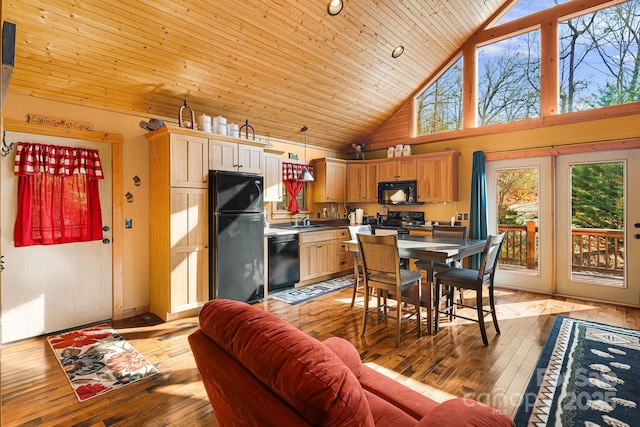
(322, 255)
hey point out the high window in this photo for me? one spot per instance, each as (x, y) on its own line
(509, 79)
(599, 62)
(542, 58)
(439, 106)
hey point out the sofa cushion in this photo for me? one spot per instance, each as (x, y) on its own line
(301, 370)
(401, 396)
(462, 412)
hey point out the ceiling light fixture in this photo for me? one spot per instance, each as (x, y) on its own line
(305, 175)
(335, 7)
(397, 51)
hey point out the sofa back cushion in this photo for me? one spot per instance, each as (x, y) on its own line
(301, 370)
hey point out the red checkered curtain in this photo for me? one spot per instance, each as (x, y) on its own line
(58, 199)
(290, 174)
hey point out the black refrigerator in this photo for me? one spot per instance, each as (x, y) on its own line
(236, 236)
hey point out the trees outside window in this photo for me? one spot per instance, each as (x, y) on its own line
(599, 61)
(509, 79)
(439, 107)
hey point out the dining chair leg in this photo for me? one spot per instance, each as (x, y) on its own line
(483, 329)
(418, 309)
(398, 322)
(430, 308)
(366, 308)
(493, 309)
(356, 281)
(436, 304)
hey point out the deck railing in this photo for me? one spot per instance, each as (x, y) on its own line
(594, 250)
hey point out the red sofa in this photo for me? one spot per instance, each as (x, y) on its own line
(259, 370)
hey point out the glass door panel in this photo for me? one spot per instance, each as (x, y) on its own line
(594, 208)
(520, 197)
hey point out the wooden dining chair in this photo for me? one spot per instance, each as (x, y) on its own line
(464, 278)
(382, 272)
(358, 269)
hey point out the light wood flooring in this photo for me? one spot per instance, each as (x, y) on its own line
(451, 363)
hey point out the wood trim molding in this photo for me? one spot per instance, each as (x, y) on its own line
(116, 194)
(552, 151)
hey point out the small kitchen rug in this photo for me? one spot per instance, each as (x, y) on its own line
(588, 375)
(97, 360)
(299, 295)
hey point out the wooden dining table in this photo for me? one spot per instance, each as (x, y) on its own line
(431, 249)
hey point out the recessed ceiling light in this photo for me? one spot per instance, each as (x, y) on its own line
(397, 51)
(335, 7)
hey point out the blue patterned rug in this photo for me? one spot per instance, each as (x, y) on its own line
(588, 375)
(299, 295)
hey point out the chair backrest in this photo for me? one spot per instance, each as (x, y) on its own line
(379, 253)
(457, 231)
(359, 229)
(385, 232)
(490, 255)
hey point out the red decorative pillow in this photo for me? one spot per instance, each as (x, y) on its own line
(301, 370)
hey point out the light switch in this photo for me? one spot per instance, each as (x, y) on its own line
(128, 223)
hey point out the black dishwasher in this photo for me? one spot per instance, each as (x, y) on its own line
(284, 267)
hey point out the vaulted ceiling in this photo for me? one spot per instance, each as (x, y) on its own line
(279, 64)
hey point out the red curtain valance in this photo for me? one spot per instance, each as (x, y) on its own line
(291, 171)
(58, 195)
(32, 158)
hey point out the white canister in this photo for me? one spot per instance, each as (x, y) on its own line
(232, 130)
(398, 150)
(406, 150)
(390, 151)
(220, 125)
(204, 123)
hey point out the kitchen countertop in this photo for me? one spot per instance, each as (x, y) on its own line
(281, 229)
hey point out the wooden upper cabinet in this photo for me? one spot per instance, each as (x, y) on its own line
(401, 169)
(356, 182)
(438, 177)
(235, 157)
(372, 182)
(272, 175)
(189, 164)
(330, 180)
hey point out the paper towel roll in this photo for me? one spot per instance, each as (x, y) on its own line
(359, 216)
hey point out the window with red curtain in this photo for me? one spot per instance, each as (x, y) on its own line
(58, 199)
(290, 174)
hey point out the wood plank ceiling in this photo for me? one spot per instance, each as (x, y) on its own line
(280, 64)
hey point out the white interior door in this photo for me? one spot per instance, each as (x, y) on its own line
(54, 287)
(522, 188)
(598, 262)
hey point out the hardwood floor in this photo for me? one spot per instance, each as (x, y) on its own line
(451, 363)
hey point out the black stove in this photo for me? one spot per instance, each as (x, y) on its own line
(400, 220)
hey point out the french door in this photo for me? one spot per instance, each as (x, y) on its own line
(598, 226)
(520, 204)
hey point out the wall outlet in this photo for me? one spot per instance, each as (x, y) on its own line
(459, 217)
(466, 217)
(128, 223)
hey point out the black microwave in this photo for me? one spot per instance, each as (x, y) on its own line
(398, 193)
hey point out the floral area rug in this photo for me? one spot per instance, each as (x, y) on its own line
(588, 375)
(298, 295)
(97, 360)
